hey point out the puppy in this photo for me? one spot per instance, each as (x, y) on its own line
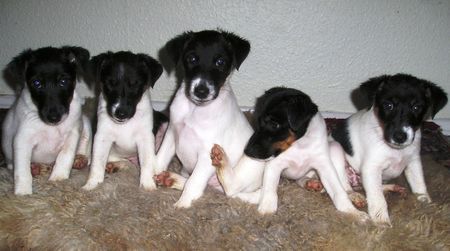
(291, 138)
(381, 142)
(204, 110)
(125, 114)
(45, 124)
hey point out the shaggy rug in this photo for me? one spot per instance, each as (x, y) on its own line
(120, 216)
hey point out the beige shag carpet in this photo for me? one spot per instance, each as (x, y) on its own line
(120, 216)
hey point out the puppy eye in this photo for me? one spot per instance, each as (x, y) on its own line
(388, 106)
(220, 62)
(416, 108)
(37, 84)
(63, 82)
(192, 59)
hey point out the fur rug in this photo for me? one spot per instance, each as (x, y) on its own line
(120, 216)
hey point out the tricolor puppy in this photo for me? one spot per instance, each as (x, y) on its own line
(124, 114)
(384, 140)
(204, 110)
(45, 124)
(291, 138)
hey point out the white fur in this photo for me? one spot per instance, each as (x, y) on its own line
(192, 132)
(119, 141)
(307, 153)
(376, 161)
(27, 139)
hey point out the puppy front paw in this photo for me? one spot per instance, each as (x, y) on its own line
(80, 162)
(268, 204)
(148, 185)
(183, 203)
(357, 199)
(90, 185)
(164, 179)
(425, 198)
(58, 176)
(380, 217)
(23, 189)
(313, 185)
(218, 157)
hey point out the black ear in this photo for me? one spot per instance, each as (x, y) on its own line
(14, 72)
(78, 56)
(437, 96)
(175, 46)
(300, 111)
(240, 46)
(372, 86)
(154, 67)
(96, 64)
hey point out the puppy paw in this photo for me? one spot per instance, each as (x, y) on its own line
(23, 189)
(395, 189)
(111, 167)
(148, 185)
(380, 218)
(218, 157)
(90, 185)
(268, 205)
(313, 185)
(163, 179)
(358, 200)
(35, 169)
(183, 204)
(80, 162)
(425, 198)
(58, 176)
(359, 215)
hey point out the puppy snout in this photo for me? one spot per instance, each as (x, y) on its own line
(54, 115)
(122, 113)
(201, 91)
(399, 137)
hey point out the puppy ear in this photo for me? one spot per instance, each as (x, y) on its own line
(300, 111)
(154, 67)
(96, 64)
(372, 86)
(78, 56)
(14, 73)
(240, 46)
(437, 97)
(175, 46)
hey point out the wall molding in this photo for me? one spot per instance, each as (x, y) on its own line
(7, 100)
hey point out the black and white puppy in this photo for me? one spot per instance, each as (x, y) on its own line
(291, 138)
(204, 110)
(45, 125)
(124, 114)
(384, 140)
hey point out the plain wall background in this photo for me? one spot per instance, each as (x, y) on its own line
(324, 48)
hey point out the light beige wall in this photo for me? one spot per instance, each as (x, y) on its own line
(325, 48)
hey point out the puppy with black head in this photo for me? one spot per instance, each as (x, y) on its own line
(124, 114)
(382, 141)
(291, 139)
(204, 110)
(45, 124)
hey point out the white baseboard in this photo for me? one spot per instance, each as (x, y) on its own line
(7, 100)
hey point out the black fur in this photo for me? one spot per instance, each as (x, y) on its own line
(159, 118)
(50, 75)
(279, 114)
(403, 100)
(123, 78)
(341, 134)
(208, 56)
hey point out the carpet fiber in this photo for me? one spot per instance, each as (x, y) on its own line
(120, 216)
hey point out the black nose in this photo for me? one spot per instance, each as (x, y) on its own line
(122, 113)
(53, 115)
(201, 91)
(399, 137)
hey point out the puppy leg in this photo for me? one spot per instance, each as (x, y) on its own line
(245, 176)
(268, 202)
(170, 180)
(83, 157)
(23, 180)
(372, 182)
(416, 180)
(102, 147)
(166, 151)
(65, 158)
(251, 197)
(330, 181)
(197, 182)
(147, 161)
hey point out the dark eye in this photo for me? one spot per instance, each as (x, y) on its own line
(37, 84)
(192, 59)
(388, 106)
(220, 62)
(416, 108)
(63, 82)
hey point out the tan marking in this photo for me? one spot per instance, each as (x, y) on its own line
(286, 143)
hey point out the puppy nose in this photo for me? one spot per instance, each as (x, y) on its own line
(399, 137)
(53, 115)
(121, 113)
(201, 91)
